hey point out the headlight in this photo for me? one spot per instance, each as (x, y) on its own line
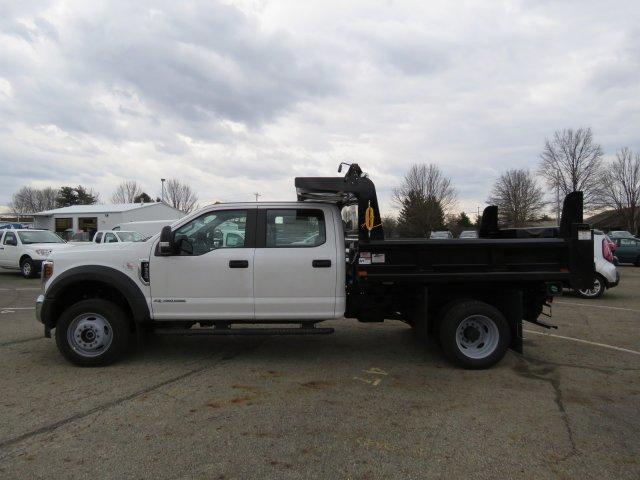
(43, 252)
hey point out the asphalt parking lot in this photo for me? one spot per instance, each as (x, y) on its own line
(365, 402)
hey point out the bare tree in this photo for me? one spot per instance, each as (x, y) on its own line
(518, 197)
(571, 161)
(424, 198)
(126, 192)
(428, 182)
(180, 195)
(31, 200)
(621, 187)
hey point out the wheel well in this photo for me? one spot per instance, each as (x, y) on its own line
(75, 292)
(23, 258)
(603, 280)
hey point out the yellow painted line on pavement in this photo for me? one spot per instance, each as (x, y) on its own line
(580, 340)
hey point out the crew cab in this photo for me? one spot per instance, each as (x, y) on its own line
(25, 249)
(283, 267)
(110, 236)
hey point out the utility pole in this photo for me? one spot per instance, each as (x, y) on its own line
(162, 197)
(257, 195)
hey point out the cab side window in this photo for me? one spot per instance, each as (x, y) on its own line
(211, 231)
(290, 228)
(10, 239)
(110, 238)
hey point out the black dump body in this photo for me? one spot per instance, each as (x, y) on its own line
(508, 256)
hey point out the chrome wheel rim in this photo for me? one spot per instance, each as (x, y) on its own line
(477, 336)
(26, 269)
(90, 334)
(593, 291)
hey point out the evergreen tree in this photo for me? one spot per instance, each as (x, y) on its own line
(79, 195)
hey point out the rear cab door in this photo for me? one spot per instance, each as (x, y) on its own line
(296, 262)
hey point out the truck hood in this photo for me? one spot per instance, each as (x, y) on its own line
(53, 247)
(102, 253)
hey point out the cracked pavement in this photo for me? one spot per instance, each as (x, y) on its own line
(366, 402)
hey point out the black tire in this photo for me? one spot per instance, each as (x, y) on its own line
(97, 311)
(487, 322)
(637, 262)
(28, 268)
(599, 285)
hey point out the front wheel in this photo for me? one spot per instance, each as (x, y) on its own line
(594, 292)
(474, 334)
(93, 333)
(27, 268)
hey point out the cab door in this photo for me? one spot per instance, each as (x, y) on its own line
(9, 251)
(2, 250)
(210, 276)
(295, 264)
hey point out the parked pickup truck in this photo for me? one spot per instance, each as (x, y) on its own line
(25, 249)
(110, 236)
(293, 267)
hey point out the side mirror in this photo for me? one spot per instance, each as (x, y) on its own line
(166, 245)
(184, 246)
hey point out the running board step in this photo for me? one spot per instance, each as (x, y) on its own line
(243, 331)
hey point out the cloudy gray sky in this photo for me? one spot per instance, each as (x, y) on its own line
(240, 96)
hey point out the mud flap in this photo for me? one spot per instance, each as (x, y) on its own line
(420, 317)
(510, 304)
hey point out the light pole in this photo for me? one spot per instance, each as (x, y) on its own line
(257, 195)
(162, 181)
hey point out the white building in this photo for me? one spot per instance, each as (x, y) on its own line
(89, 218)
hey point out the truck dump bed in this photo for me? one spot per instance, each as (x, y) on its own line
(564, 254)
(487, 260)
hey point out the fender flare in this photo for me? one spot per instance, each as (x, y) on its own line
(95, 273)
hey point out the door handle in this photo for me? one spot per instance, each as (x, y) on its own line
(238, 263)
(321, 263)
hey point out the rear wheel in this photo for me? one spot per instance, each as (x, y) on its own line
(594, 292)
(474, 334)
(27, 268)
(93, 333)
(637, 262)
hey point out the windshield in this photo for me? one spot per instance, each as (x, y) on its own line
(42, 236)
(130, 237)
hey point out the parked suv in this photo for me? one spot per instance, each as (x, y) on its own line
(628, 250)
(26, 249)
(607, 275)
